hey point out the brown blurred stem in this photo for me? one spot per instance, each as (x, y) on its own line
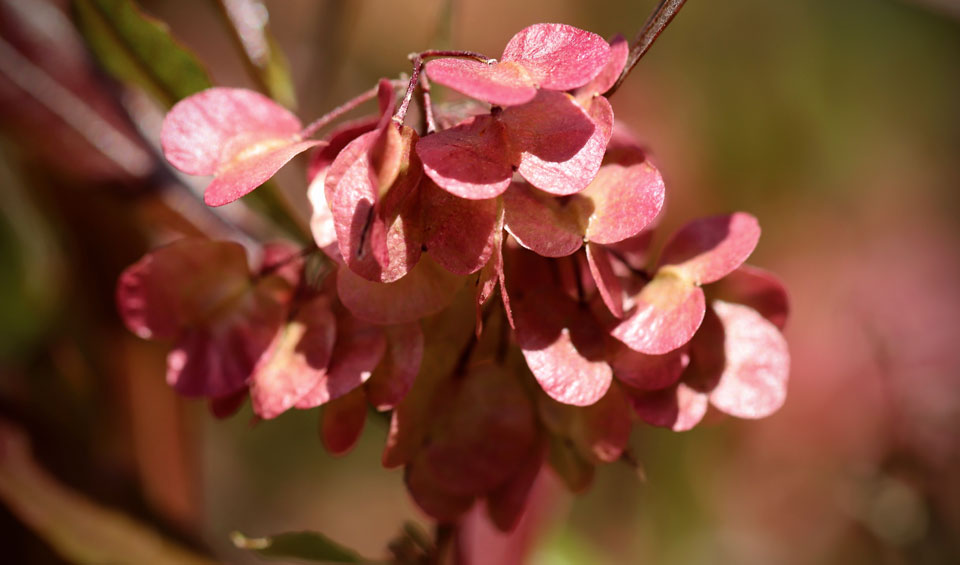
(447, 552)
(114, 145)
(654, 26)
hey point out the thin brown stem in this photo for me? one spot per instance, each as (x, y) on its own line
(340, 110)
(446, 544)
(460, 368)
(629, 459)
(408, 95)
(428, 117)
(578, 277)
(305, 252)
(419, 537)
(654, 26)
(456, 53)
(417, 59)
(642, 273)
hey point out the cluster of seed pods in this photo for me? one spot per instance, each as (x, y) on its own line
(532, 191)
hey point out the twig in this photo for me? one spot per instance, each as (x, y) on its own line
(654, 26)
(417, 59)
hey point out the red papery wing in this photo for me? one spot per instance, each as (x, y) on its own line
(678, 408)
(358, 349)
(649, 372)
(540, 222)
(501, 84)
(557, 145)
(558, 56)
(707, 249)
(667, 312)
(754, 380)
(296, 361)
(458, 233)
(394, 377)
(546, 331)
(341, 421)
(470, 160)
(426, 289)
(239, 136)
(756, 288)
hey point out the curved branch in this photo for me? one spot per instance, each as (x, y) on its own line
(654, 26)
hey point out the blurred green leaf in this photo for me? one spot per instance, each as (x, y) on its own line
(308, 546)
(277, 74)
(138, 49)
(564, 546)
(79, 530)
(248, 24)
(30, 282)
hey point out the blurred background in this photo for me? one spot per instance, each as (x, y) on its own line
(835, 122)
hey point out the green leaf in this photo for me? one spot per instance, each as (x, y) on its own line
(31, 282)
(138, 49)
(307, 546)
(247, 21)
(276, 74)
(77, 528)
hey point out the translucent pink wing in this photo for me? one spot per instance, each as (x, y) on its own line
(323, 157)
(608, 284)
(218, 358)
(501, 84)
(458, 233)
(602, 430)
(341, 422)
(557, 146)
(437, 503)
(296, 361)
(648, 372)
(506, 503)
(377, 227)
(322, 224)
(619, 51)
(546, 339)
(425, 290)
(758, 289)
(250, 168)
(540, 222)
(490, 275)
(482, 439)
(470, 160)
(393, 378)
(754, 380)
(358, 349)
(678, 408)
(172, 286)
(667, 313)
(707, 249)
(558, 56)
(622, 200)
(202, 130)
(239, 136)
(222, 407)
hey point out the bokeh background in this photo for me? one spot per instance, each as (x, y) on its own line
(835, 122)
